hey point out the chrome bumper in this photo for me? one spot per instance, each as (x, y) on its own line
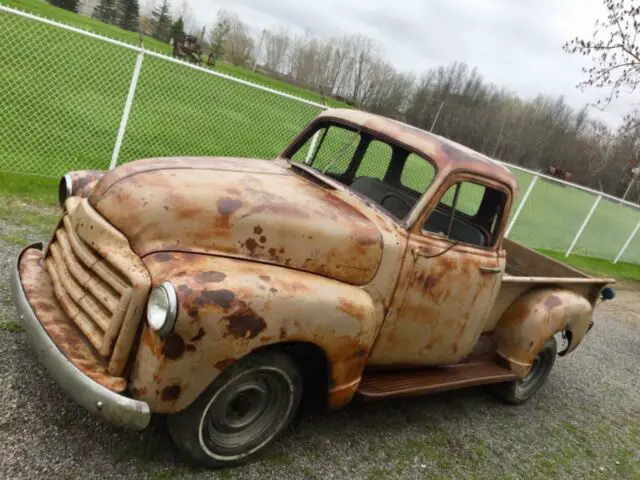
(114, 408)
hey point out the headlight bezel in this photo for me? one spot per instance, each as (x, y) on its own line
(65, 189)
(170, 312)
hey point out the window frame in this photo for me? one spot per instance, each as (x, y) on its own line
(453, 179)
(315, 125)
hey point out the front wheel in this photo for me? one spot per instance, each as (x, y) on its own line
(240, 413)
(519, 391)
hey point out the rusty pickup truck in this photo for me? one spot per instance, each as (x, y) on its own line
(367, 261)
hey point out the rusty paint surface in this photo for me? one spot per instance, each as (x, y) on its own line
(536, 316)
(441, 304)
(100, 283)
(64, 333)
(258, 211)
(214, 330)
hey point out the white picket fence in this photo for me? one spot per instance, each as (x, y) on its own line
(73, 99)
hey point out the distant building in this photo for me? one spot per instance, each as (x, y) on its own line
(86, 7)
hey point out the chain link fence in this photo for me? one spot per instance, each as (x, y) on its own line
(72, 100)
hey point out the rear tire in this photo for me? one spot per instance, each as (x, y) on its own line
(519, 391)
(240, 413)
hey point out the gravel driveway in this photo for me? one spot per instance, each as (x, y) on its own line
(585, 423)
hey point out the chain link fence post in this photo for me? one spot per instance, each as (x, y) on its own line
(584, 225)
(626, 244)
(127, 109)
(521, 206)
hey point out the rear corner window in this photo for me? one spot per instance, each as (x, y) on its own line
(417, 173)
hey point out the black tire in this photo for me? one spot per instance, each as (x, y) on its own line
(519, 391)
(240, 413)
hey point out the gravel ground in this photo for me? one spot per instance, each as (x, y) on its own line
(585, 423)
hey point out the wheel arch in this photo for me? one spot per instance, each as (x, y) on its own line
(536, 316)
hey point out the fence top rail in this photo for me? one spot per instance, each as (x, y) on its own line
(573, 185)
(135, 48)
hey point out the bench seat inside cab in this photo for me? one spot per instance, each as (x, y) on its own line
(398, 202)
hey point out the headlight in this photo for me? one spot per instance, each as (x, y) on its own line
(162, 308)
(65, 189)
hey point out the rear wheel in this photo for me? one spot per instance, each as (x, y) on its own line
(240, 413)
(519, 391)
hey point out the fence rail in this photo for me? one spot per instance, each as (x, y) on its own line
(73, 99)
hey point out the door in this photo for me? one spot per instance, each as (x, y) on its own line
(450, 278)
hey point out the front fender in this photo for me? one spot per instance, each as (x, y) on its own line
(228, 308)
(536, 316)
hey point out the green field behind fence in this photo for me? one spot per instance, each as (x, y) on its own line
(62, 98)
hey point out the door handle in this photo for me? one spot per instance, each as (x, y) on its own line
(490, 270)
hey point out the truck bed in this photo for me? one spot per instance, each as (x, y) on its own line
(526, 265)
(527, 269)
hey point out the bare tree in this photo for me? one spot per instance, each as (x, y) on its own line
(614, 50)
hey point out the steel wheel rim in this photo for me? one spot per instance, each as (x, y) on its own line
(246, 413)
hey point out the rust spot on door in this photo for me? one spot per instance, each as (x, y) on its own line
(257, 229)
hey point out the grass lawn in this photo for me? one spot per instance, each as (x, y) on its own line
(597, 266)
(63, 94)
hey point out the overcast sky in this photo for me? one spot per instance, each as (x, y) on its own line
(513, 43)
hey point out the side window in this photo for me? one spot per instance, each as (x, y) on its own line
(375, 161)
(469, 213)
(332, 150)
(417, 173)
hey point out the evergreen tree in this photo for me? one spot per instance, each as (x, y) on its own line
(177, 30)
(129, 15)
(106, 11)
(218, 38)
(162, 18)
(71, 5)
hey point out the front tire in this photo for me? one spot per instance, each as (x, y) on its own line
(519, 391)
(240, 413)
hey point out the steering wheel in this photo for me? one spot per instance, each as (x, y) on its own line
(391, 194)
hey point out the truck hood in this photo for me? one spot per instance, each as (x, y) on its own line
(253, 209)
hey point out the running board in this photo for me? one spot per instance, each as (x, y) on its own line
(404, 383)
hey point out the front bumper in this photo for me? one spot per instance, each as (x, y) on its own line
(93, 396)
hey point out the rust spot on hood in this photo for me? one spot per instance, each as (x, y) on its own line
(257, 229)
(228, 205)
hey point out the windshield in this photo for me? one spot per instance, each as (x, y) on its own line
(383, 172)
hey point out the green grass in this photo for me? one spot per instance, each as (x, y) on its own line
(598, 267)
(11, 327)
(61, 103)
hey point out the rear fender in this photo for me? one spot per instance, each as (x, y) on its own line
(228, 308)
(535, 317)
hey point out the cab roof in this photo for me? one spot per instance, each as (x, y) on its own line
(446, 154)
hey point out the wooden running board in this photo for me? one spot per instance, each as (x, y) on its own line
(403, 383)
